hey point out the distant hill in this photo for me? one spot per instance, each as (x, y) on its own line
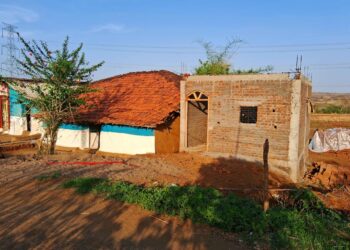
(320, 99)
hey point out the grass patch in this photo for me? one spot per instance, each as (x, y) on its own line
(82, 185)
(302, 222)
(50, 176)
(333, 109)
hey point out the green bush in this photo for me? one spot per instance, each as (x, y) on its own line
(83, 185)
(333, 109)
(302, 223)
(212, 68)
(305, 223)
(202, 205)
(260, 70)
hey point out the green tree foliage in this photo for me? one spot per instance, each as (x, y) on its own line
(260, 70)
(60, 78)
(217, 62)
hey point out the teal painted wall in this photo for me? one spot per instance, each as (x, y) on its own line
(16, 109)
(73, 126)
(128, 130)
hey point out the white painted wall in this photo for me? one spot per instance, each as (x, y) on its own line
(73, 138)
(94, 140)
(17, 125)
(36, 126)
(126, 143)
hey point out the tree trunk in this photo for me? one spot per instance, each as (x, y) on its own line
(52, 139)
(52, 147)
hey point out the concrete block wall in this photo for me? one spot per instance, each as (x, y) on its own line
(279, 102)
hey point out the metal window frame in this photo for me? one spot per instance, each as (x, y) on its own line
(248, 114)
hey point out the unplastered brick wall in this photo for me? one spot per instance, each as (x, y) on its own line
(273, 95)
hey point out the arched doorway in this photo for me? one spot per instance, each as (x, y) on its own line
(197, 119)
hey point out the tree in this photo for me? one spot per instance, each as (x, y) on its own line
(59, 79)
(260, 70)
(217, 62)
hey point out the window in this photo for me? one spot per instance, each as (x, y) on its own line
(248, 114)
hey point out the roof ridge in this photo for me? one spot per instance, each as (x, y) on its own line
(136, 73)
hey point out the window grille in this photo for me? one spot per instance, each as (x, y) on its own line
(249, 114)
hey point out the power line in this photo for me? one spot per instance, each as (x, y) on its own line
(242, 46)
(332, 68)
(182, 49)
(201, 52)
(332, 64)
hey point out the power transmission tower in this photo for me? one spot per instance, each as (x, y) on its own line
(9, 49)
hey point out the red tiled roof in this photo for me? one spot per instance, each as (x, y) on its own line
(141, 99)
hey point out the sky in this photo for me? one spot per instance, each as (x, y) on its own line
(138, 35)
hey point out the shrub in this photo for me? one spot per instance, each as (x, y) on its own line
(303, 222)
(83, 185)
(217, 61)
(333, 109)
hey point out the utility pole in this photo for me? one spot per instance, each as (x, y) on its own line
(9, 50)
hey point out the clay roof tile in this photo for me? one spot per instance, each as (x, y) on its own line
(141, 99)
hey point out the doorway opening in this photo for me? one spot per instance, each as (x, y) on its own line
(94, 137)
(28, 118)
(197, 119)
(4, 113)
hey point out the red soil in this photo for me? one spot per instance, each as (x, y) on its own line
(40, 215)
(334, 177)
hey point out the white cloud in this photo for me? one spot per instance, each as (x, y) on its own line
(13, 14)
(111, 28)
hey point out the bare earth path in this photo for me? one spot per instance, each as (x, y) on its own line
(41, 215)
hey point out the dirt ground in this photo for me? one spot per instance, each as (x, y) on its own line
(148, 170)
(333, 178)
(40, 215)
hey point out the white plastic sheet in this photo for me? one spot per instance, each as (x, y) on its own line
(334, 139)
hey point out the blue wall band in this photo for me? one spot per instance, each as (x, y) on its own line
(128, 130)
(74, 127)
(114, 129)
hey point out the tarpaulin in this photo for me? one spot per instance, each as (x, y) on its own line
(333, 139)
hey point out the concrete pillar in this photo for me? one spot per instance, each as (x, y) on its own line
(293, 155)
(183, 116)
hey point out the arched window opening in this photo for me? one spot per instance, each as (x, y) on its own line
(197, 96)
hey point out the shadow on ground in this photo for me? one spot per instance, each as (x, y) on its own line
(41, 215)
(239, 176)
